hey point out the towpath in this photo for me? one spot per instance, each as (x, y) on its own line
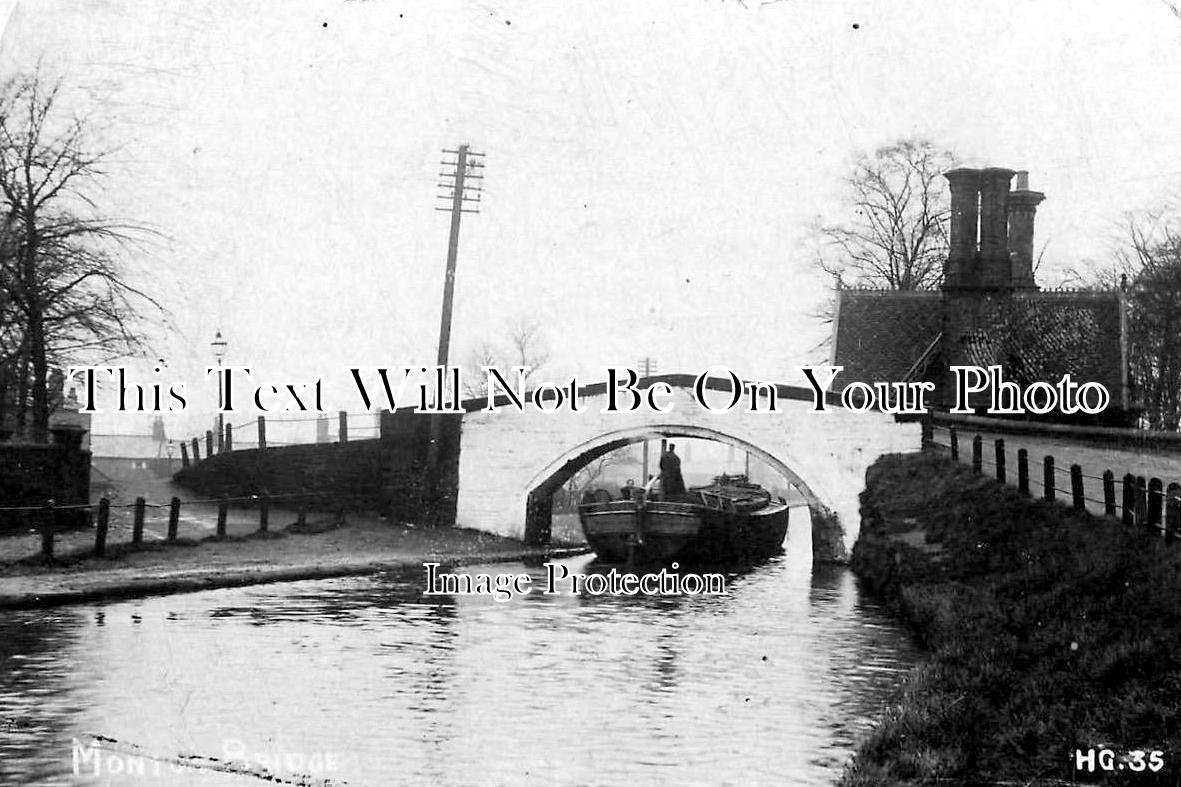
(360, 544)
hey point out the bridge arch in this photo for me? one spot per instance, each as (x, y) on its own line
(510, 457)
(537, 499)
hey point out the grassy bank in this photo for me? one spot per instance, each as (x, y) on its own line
(1048, 631)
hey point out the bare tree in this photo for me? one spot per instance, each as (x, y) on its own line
(65, 295)
(1154, 328)
(896, 237)
(528, 343)
(1150, 265)
(586, 477)
(1148, 268)
(526, 347)
(475, 380)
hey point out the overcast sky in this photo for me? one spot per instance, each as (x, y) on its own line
(652, 168)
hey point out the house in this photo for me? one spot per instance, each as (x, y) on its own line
(989, 311)
(129, 459)
(33, 474)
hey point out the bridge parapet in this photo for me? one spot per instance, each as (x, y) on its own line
(508, 457)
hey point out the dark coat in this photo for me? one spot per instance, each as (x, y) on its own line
(671, 481)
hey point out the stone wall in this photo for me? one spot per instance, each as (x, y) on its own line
(331, 475)
(32, 474)
(386, 475)
(408, 492)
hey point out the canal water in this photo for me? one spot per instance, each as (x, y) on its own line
(363, 681)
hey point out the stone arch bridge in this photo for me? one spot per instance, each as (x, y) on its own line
(510, 460)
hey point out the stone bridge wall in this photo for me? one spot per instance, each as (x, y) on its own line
(386, 474)
(499, 468)
(348, 474)
(507, 455)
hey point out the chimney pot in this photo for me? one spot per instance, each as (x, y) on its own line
(965, 198)
(994, 226)
(1022, 210)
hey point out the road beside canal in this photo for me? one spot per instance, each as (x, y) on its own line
(361, 545)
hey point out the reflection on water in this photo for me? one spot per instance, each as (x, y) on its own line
(365, 682)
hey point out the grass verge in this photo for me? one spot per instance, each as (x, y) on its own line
(1048, 631)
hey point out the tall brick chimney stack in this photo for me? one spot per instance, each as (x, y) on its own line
(965, 199)
(1022, 209)
(991, 238)
(995, 268)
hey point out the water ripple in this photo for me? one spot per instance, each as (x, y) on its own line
(366, 681)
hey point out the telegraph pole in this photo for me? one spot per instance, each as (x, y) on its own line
(462, 184)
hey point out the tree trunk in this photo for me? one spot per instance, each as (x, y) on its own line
(20, 422)
(39, 432)
(5, 387)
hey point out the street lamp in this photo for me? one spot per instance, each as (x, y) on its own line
(218, 345)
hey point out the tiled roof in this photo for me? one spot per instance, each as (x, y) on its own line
(1039, 335)
(1044, 335)
(880, 335)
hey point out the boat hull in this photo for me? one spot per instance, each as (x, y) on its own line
(622, 531)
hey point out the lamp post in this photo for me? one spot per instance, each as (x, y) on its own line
(218, 345)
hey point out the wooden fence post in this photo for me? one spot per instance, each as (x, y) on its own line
(1023, 471)
(1155, 503)
(1048, 478)
(100, 528)
(927, 440)
(1000, 460)
(344, 426)
(48, 529)
(184, 454)
(1078, 498)
(955, 443)
(137, 524)
(1129, 506)
(229, 443)
(209, 442)
(264, 516)
(1172, 511)
(1141, 500)
(222, 511)
(1109, 493)
(196, 451)
(978, 453)
(262, 433)
(173, 518)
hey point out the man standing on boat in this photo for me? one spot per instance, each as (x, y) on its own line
(671, 482)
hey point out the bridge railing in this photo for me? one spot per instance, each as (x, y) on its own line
(274, 431)
(1139, 501)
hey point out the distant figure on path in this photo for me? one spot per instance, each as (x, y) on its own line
(671, 481)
